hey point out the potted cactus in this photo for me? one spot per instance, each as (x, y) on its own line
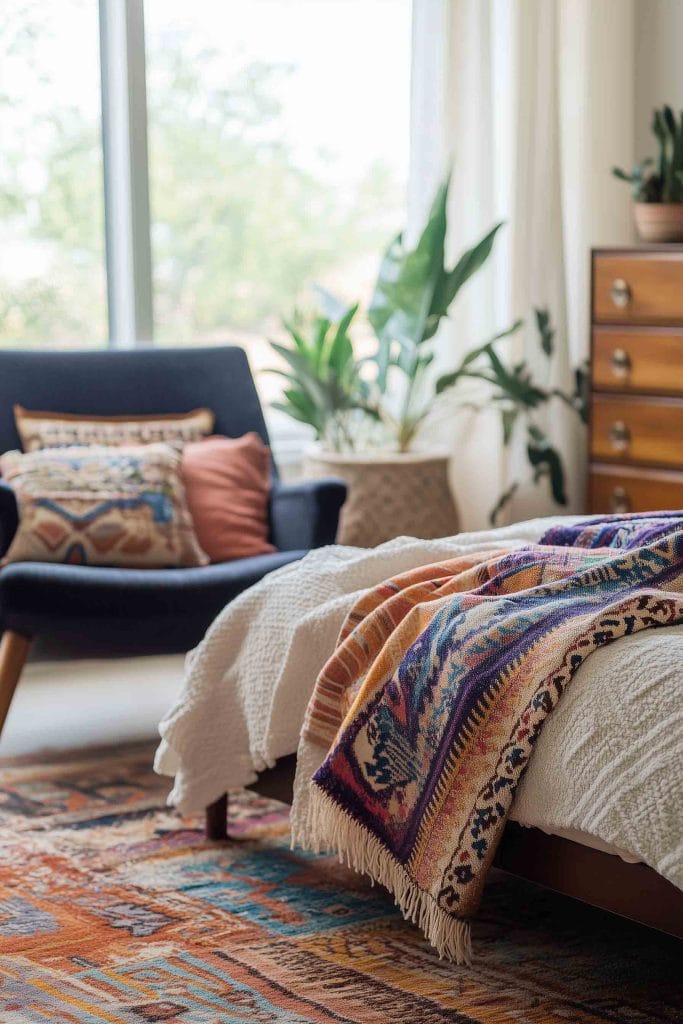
(658, 187)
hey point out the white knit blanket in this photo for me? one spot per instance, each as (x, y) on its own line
(603, 769)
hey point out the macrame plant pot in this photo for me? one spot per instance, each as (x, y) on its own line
(390, 495)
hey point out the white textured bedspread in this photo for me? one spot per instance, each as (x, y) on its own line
(607, 765)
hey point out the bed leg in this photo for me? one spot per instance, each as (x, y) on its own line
(217, 819)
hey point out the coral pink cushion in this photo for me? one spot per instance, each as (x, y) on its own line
(227, 481)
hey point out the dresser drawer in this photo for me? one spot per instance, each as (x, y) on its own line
(638, 288)
(620, 489)
(628, 359)
(647, 430)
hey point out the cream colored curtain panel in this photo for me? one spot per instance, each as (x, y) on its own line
(533, 100)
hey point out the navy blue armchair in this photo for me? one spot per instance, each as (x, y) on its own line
(131, 609)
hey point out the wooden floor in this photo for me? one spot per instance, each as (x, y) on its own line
(65, 703)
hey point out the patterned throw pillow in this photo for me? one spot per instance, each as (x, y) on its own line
(122, 506)
(57, 429)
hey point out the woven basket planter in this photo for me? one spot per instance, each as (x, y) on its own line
(390, 495)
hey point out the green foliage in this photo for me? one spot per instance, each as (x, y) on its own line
(520, 398)
(665, 184)
(414, 291)
(324, 385)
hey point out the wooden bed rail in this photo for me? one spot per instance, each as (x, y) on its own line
(600, 879)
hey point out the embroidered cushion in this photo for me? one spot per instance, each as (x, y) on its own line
(56, 429)
(228, 486)
(95, 505)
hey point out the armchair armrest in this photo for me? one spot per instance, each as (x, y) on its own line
(9, 516)
(305, 515)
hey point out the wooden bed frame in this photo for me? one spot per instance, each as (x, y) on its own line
(603, 880)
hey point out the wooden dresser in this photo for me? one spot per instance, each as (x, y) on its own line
(636, 421)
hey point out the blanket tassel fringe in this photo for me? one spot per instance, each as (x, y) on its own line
(327, 827)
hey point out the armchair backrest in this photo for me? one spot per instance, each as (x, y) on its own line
(131, 381)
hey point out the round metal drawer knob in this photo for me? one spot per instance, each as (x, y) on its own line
(619, 436)
(620, 362)
(619, 500)
(620, 293)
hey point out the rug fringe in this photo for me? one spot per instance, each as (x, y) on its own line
(326, 826)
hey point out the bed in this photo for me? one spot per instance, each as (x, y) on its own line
(597, 814)
(583, 867)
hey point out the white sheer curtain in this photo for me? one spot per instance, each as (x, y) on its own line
(533, 100)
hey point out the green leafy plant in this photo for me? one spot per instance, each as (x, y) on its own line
(324, 385)
(330, 388)
(660, 182)
(414, 291)
(520, 398)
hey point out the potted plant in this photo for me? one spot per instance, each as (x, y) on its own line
(658, 189)
(367, 413)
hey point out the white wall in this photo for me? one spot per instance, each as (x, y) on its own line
(658, 64)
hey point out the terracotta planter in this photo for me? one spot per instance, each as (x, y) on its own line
(659, 222)
(390, 495)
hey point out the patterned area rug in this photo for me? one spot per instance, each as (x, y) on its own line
(114, 910)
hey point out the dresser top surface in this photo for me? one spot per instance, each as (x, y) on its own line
(675, 248)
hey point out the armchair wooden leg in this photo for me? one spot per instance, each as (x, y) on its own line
(217, 819)
(14, 649)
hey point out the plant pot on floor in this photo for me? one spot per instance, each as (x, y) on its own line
(659, 222)
(390, 495)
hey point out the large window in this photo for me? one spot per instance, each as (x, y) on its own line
(278, 157)
(277, 141)
(52, 276)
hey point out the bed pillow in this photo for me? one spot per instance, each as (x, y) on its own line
(228, 487)
(39, 430)
(123, 506)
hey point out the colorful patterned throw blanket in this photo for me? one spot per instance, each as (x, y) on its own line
(436, 693)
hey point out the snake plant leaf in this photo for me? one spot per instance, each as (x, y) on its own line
(450, 283)
(545, 330)
(545, 458)
(406, 285)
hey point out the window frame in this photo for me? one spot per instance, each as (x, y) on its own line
(128, 253)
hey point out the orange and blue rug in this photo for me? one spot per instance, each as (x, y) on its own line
(112, 909)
